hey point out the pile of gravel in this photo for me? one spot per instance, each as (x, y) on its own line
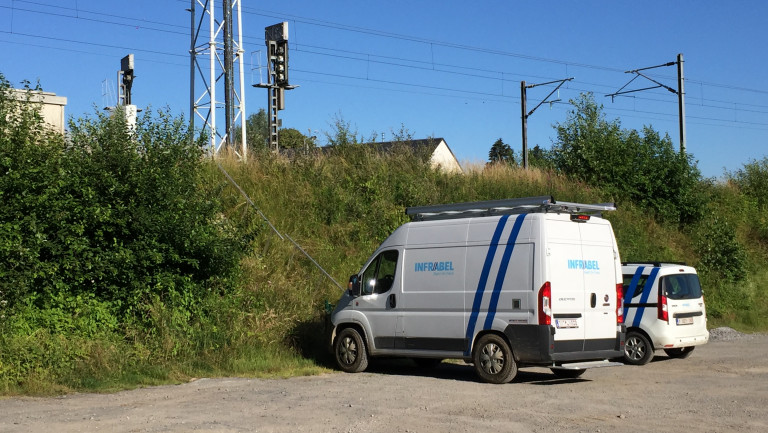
(727, 334)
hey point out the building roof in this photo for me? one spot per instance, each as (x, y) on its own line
(422, 144)
(426, 146)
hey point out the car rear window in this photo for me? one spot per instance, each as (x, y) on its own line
(681, 286)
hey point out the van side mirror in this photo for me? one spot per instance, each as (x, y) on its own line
(354, 286)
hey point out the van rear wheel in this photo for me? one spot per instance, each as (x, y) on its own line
(680, 352)
(493, 360)
(350, 352)
(637, 349)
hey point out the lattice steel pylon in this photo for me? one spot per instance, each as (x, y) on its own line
(216, 57)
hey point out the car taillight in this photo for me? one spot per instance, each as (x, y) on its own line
(663, 309)
(619, 303)
(545, 304)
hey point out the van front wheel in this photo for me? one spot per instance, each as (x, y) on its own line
(493, 360)
(350, 352)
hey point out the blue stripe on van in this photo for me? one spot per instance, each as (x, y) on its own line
(644, 298)
(483, 280)
(631, 290)
(503, 271)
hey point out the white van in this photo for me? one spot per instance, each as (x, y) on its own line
(663, 309)
(501, 284)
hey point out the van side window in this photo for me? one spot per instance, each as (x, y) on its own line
(380, 274)
(638, 289)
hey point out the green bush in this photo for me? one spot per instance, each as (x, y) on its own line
(719, 251)
(112, 234)
(112, 213)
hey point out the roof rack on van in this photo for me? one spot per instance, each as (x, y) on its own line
(505, 206)
(655, 264)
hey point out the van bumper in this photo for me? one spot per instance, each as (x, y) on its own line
(535, 344)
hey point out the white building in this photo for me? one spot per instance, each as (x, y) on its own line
(51, 106)
(441, 155)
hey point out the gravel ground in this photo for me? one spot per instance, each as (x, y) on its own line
(723, 386)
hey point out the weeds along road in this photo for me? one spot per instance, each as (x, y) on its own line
(722, 387)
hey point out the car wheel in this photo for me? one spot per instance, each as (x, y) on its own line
(637, 349)
(680, 352)
(567, 374)
(493, 360)
(349, 349)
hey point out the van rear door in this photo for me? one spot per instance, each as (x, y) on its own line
(582, 269)
(601, 273)
(564, 272)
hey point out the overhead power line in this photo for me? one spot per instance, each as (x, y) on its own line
(372, 58)
(357, 29)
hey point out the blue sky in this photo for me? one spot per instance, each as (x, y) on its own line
(448, 69)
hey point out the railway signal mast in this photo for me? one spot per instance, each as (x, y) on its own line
(276, 38)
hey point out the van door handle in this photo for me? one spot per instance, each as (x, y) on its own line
(593, 300)
(392, 301)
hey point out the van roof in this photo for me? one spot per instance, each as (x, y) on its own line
(504, 207)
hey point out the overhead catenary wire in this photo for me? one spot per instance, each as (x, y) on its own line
(374, 32)
(79, 13)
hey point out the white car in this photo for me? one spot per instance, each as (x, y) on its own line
(663, 309)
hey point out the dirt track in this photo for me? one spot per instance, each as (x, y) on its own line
(722, 387)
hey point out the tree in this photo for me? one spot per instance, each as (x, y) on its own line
(290, 138)
(342, 132)
(539, 157)
(501, 153)
(257, 130)
(643, 167)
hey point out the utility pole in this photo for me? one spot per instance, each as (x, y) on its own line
(525, 116)
(681, 100)
(229, 84)
(680, 92)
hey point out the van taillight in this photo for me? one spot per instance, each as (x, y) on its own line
(663, 309)
(619, 303)
(545, 304)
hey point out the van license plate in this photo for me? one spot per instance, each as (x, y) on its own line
(685, 321)
(566, 323)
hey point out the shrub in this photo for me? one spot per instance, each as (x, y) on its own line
(113, 213)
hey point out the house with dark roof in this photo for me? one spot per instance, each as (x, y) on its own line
(440, 155)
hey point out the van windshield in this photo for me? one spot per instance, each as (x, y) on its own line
(682, 286)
